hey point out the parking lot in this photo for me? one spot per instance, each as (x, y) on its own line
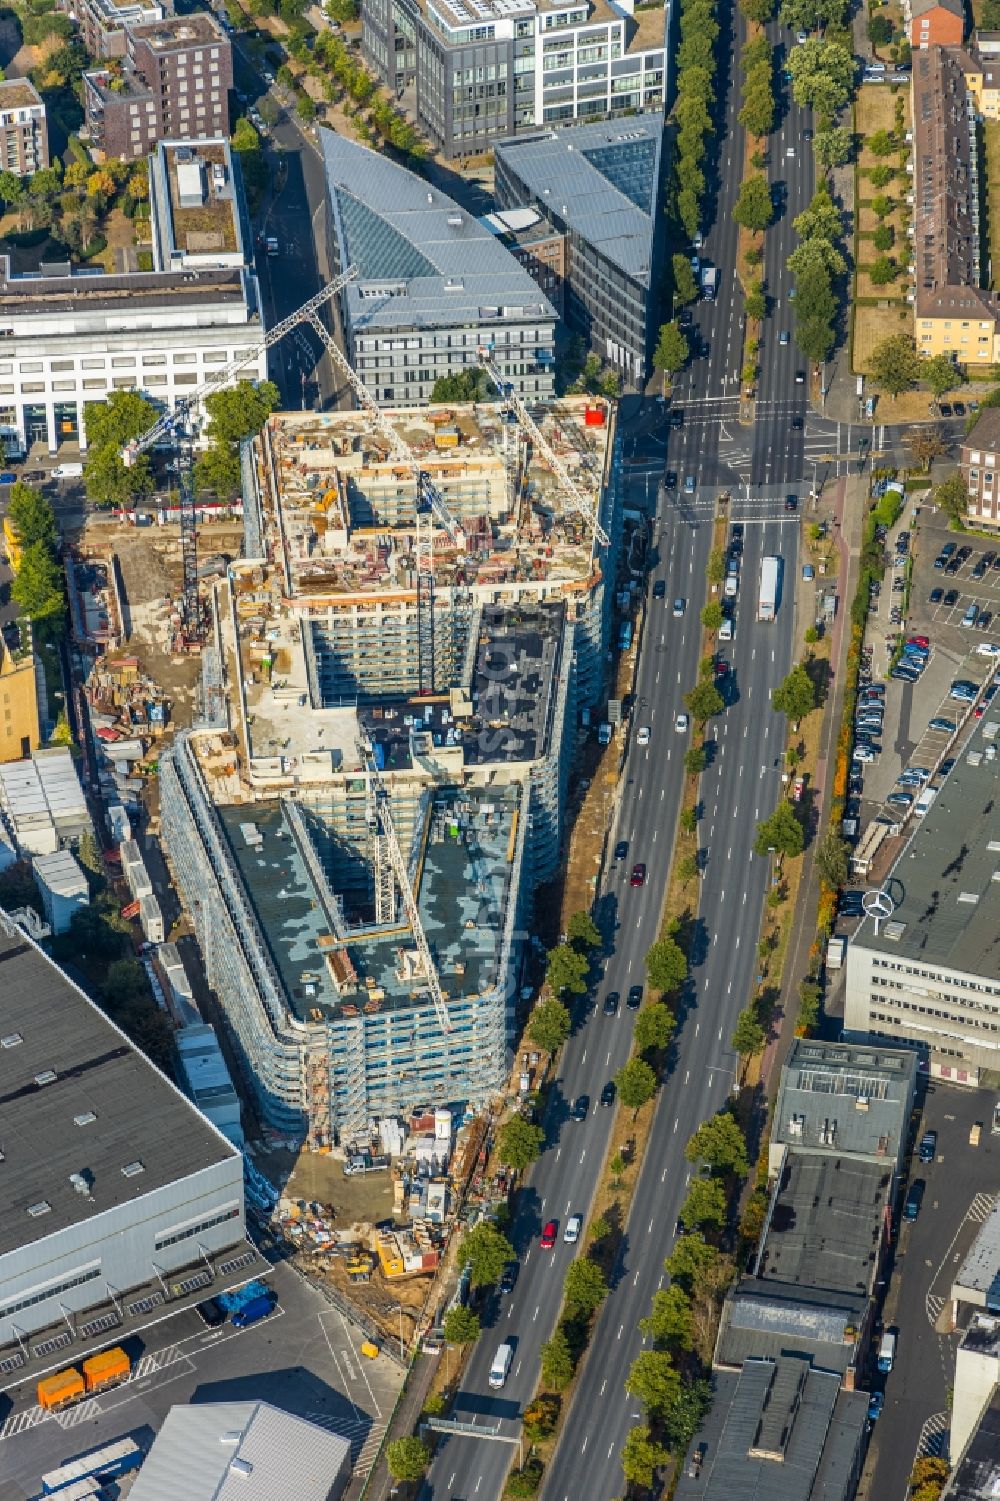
(962, 1183)
(304, 1358)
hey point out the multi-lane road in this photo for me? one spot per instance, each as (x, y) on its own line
(740, 786)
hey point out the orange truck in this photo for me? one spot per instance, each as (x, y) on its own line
(99, 1372)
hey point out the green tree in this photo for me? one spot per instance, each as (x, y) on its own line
(756, 302)
(880, 143)
(636, 1084)
(821, 220)
(704, 700)
(795, 696)
(883, 237)
(711, 615)
(585, 1288)
(756, 51)
(816, 258)
(689, 820)
(244, 138)
(952, 495)
(831, 859)
(557, 1361)
(685, 286)
(822, 76)
(655, 1380)
(666, 965)
(218, 470)
(305, 107)
(654, 1027)
(894, 365)
(485, 1250)
(11, 189)
(692, 1263)
(684, 1419)
(687, 869)
(670, 1323)
(548, 1025)
(461, 1325)
(467, 385)
(31, 516)
(240, 411)
(523, 1483)
(567, 970)
(748, 1036)
(641, 1455)
(781, 832)
(757, 112)
(37, 588)
(705, 1205)
(720, 1142)
(882, 271)
(753, 208)
(941, 374)
(833, 147)
(540, 1418)
(583, 932)
(599, 1228)
(407, 1458)
(694, 760)
(519, 1143)
(672, 349)
(123, 416)
(879, 32)
(109, 481)
(881, 206)
(716, 570)
(125, 983)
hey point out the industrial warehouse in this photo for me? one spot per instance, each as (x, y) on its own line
(358, 840)
(115, 1186)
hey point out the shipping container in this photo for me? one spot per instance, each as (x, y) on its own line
(106, 1369)
(59, 1390)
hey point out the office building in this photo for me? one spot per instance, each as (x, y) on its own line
(112, 1180)
(928, 977)
(172, 83)
(476, 71)
(103, 23)
(599, 188)
(979, 460)
(19, 727)
(469, 691)
(24, 137)
(72, 335)
(954, 314)
(221, 1451)
(795, 1334)
(433, 284)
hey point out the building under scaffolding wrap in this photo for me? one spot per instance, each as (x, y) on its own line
(271, 823)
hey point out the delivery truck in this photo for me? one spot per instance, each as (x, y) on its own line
(770, 576)
(97, 1373)
(709, 282)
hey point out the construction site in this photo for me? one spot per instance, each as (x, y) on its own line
(392, 693)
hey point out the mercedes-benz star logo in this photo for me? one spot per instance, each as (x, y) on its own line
(877, 904)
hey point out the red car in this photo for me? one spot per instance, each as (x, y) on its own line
(550, 1235)
(923, 641)
(638, 877)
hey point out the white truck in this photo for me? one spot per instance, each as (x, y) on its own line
(709, 282)
(770, 574)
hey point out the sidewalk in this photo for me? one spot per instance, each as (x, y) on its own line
(380, 1484)
(847, 518)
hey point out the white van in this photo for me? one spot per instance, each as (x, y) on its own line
(732, 585)
(924, 801)
(501, 1365)
(886, 1352)
(67, 471)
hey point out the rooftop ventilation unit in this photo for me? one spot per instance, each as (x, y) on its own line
(84, 1118)
(133, 1169)
(47, 1076)
(37, 1210)
(11, 1040)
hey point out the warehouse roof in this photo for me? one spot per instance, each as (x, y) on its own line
(422, 260)
(599, 181)
(219, 1450)
(946, 883)
(86, 1122)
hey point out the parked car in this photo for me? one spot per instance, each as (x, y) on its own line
(928, 1146)
(946, 726)
(211, 1313)
(951, 598)
(900, 800)
(914, 1199)
(935, 597)
(875, 1404)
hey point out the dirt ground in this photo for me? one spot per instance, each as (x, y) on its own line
(876, 110)
(319, 1178)
(872, 325)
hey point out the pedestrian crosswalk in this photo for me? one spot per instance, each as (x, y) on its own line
(933, 1304)
(934, 1435)
(982, 1207)
(365, 1438)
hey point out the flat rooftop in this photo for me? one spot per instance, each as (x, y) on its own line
(827, 1223)
(946, 882)
(462, 848)
(980, 1271)
(212, 224)
(77, 1097)
(845, 1098)
(600, 180)
(18, 93)
(348, 513)
(777, 1430)
(176, 32)
(80, 290)
(646, 26)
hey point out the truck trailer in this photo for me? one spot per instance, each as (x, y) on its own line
(709, 282)
(770, 575)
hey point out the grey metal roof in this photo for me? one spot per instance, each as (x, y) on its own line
(850, 1099)
(980, 1271)
(599, 180)
(778, 1430)
(250, 1450)
(423, 261)
(946, 882)
(77, 1097)
(767, 1320)
(827, 1222)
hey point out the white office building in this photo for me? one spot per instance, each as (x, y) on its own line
(72, 335)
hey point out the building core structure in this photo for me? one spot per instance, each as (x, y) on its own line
(358, 682)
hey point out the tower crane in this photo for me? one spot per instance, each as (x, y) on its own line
(383, 816)
(578, 502)
(171, 423)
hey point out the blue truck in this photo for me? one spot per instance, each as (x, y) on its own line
(252, 1312)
